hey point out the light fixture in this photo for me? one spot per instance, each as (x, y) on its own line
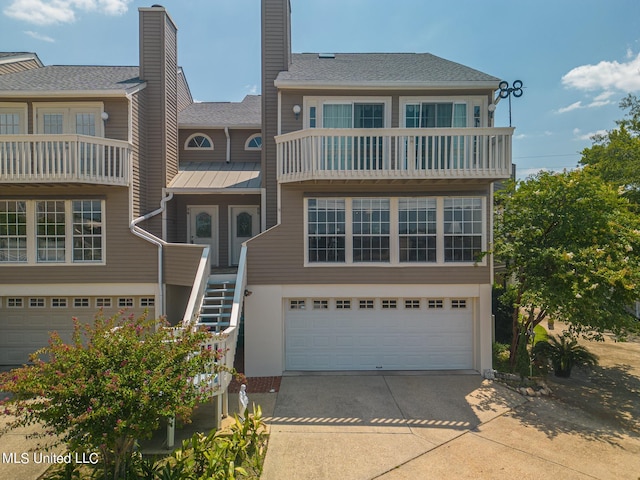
(296, 111)
(492, 107)
(104, 116)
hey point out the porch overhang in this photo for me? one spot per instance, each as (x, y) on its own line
(217, 177)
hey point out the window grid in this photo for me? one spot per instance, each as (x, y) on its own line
(458, 303)
(389, 304)
(343, 304)
(462, 229)
(87, 230)
(59, 303)
(125, 302)
(254, 142)
(86, 124)
(103, 302)
(50, 231)
(435, 303)
(81, 302)
(297, 304)
(326, 229)
(367, 304)
(9, 123)
(14, 302)
(371, 229)
(13, 231)
(412, 303)
(147, 302)
(36, 302)
(320, 304)
(199, 141)
(417, 229)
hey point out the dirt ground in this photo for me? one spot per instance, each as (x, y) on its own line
(609, 392)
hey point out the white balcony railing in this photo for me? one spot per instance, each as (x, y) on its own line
(392, 153)
(63, 159)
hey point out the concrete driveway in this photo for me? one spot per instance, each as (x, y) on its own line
(438, 427)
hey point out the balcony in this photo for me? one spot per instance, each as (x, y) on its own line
(394, 153)
(64, 159)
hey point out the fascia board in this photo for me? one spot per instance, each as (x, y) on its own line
(300, 85)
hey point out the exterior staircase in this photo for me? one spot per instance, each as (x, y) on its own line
(215, 311)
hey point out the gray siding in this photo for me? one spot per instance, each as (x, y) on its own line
(276, 54)
(277, 256)
(129, 259)
(184, 94)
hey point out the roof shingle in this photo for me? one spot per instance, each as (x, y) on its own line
(223, 114)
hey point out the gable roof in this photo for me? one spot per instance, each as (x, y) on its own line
(10, 57)
(380, 70)
(71, 80)
(245, 114)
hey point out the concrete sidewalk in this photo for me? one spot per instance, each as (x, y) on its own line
(436, 427)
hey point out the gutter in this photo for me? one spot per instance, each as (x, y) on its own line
(226, 132)
(158, 242)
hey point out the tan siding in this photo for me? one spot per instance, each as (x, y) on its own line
(277, 256)
(171, 95)
(180, 228)
(18, 66)
(139, 141)
(129, 259)
(238, 140)
(184, 95)
(117, 126)
(276, 51)
(180, 263)
(219, 139)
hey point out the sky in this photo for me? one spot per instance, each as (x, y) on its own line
(576, 58)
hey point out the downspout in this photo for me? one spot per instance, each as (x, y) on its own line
(158, 242)
(226, 132)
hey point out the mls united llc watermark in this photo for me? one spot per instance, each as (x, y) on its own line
(26, 458)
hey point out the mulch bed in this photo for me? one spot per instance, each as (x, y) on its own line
(254, 384)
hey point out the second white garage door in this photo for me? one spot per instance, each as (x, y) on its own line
(378, 334)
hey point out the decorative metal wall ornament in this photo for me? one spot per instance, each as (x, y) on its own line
(506, 91)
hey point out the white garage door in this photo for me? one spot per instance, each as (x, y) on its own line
(378, 334)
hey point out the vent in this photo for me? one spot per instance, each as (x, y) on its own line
(326, 55)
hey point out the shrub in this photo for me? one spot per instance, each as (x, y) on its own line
(112, 385)
(564, 353)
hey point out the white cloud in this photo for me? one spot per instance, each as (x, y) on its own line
(606, 75)
(573, 106)
(578, 135)
(251, 89)
(53, 12)
(39, 36)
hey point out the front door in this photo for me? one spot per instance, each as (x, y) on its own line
(203, 228)
(244, 224)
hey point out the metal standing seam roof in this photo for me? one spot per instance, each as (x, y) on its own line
(247, 113)
(380, 69)
(217, 176)
(62, 78)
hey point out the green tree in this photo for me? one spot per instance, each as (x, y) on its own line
(615, 156)
(571, 246)
(112, 385)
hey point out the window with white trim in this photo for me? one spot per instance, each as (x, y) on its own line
(366, 304)
(412, 303)
(297, 304)
(254, 142)
(389, 304)
(343, 304)
(462, 229)
(125, 302)
(51, 231)
(198, 141)
(435, 303)
(36, 302)
(326, 229)
(73, 118)
(81, 302)
(320, 304)
(396, 230)
(59, 303)
(458, 303)
(15, 302)
(103, 303)
(146, 302)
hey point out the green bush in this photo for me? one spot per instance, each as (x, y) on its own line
(563, 353)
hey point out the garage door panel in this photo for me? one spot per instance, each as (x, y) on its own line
(374, 339)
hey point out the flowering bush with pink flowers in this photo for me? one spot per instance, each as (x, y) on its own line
(111, 385)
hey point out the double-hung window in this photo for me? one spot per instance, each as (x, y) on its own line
(371, 230)
(462, 229)
(326, 229)
(417, 229)
(13, 231)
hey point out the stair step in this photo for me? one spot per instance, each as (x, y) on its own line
(219, 290)
(218, 298)
(215, 315)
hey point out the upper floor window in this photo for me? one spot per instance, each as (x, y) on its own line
(13, 118)
(434, 115)
(347, 112)
(59, 119)
(198, 141)
(254, 142)
(462, 229)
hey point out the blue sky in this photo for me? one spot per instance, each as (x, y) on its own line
(576, 58)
